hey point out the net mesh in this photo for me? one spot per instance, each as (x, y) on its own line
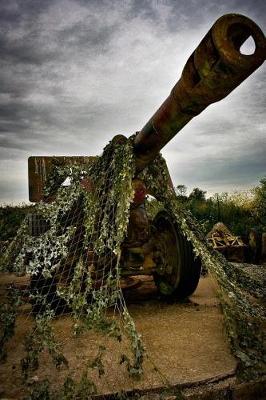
(70, 251)
(244, 317)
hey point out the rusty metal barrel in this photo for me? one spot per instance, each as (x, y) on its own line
(213, 70)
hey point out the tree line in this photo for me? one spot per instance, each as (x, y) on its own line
(240, 211)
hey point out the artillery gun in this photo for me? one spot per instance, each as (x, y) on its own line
(159, 247)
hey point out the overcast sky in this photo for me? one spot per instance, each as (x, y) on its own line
(75, 73)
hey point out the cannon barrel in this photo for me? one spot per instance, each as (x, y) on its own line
(212, 71)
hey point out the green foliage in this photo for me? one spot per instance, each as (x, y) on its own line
(11, 218)
(80, 222)
(41, 338)
(134, 368)
(260, 203)
(181, 191)
(71, 390)
(101, 222)
(239, 211)
(8, 313)
(153, 207)
(81, 390)
(97, 363)
(197, 194)
(236, 211)
(40, 391)
(243, 319)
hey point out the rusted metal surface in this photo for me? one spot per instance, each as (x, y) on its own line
(39, 168)
(212, 71)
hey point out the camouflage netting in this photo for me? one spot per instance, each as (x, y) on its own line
(74, 266)
(243, 317)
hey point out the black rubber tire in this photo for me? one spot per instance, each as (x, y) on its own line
(183, 281)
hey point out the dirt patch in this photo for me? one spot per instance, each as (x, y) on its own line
(184, 343)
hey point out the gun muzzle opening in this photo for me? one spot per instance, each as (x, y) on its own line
(214, 69)
(239, 35)
(230, 33)
(248, 47)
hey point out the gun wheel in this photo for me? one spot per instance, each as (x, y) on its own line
(178, 271)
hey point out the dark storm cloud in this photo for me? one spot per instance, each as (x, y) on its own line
(23, 52)
(85, 36)
(75, 73)
(238, 166)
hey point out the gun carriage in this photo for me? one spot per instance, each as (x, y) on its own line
(158, 247)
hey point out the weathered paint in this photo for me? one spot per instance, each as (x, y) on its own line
(212, 71)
